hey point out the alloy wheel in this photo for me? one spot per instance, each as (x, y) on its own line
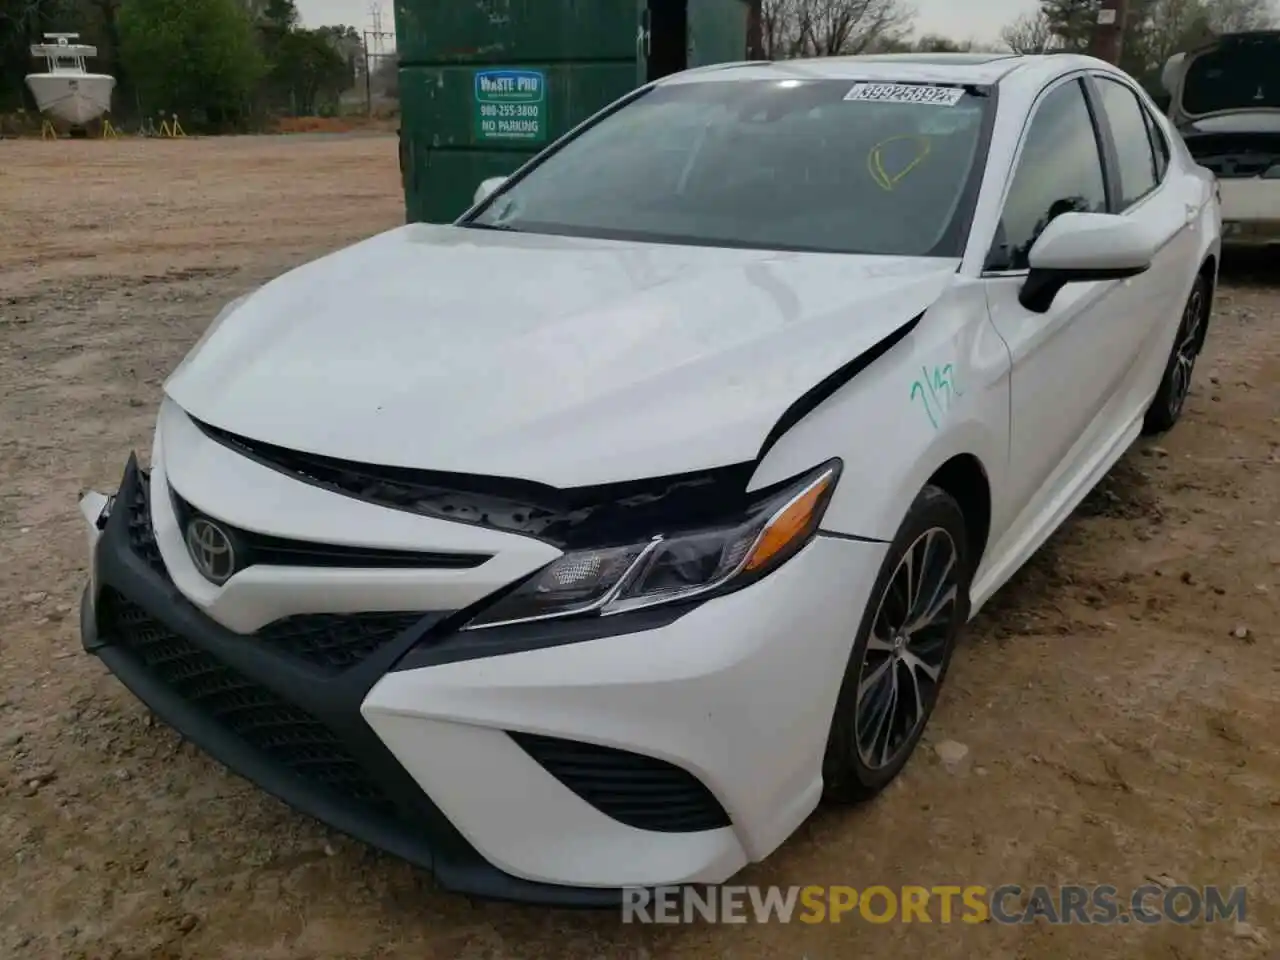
(906, 649)
(1186, 350)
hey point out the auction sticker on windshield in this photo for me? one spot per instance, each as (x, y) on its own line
(510, 105)
(906, 93)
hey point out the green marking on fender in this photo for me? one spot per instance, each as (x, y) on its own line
(936, 390)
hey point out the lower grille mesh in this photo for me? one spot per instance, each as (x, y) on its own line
(284, 732)
(335, 642)
(640, 791)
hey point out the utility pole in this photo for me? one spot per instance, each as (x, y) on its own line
(1107, 42)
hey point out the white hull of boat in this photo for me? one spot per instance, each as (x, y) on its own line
(76, 99)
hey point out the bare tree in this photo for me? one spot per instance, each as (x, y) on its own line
(1030, 33)
(822, 28)
(1165, 27)
(851, 26)
(1232, 16)
(782, 28)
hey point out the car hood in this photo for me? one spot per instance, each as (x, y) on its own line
(1231, 74)
(565, 361)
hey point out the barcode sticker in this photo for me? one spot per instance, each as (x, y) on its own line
(906, 93)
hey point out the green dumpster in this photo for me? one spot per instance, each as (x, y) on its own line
(486, 84)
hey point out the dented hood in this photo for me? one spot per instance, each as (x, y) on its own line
(561, 360)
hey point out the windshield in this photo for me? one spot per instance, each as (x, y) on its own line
(1238, 75)
(791, 165)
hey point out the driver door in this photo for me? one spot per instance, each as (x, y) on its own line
(1067, 363)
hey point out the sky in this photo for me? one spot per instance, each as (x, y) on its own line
(977, 21)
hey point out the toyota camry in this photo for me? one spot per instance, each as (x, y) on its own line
(593, 540)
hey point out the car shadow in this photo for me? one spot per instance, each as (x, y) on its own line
(1250, 267)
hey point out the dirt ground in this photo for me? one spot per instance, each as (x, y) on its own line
(1119, 700)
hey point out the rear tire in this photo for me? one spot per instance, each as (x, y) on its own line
(1170, 399)
(918, 605)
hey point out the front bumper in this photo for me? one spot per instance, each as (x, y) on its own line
(538, 764)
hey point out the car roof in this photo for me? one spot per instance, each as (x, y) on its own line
(979, 69)
(940, 57)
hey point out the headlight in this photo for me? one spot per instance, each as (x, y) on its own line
(673, 567)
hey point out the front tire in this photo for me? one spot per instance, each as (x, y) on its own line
(1175, 385)
(918, 605)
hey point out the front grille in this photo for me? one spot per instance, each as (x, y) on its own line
(260, 548)
(285, 733)
(333, 642)
(639, 791)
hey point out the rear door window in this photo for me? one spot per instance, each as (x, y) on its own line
(1130, 132)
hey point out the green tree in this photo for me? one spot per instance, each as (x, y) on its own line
(97, 22)
(309, 69)
(273, 21)
(280, 15)
(22, 23)
(198, 58)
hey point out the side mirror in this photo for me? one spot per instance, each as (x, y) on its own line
(1083, 247)
(486, 189)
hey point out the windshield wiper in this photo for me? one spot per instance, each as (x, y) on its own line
(475, 225)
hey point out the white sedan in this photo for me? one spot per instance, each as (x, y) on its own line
(589, 542)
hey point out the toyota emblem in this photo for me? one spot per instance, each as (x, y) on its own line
(211, 550)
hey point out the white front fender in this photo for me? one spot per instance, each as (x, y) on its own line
(941, 392)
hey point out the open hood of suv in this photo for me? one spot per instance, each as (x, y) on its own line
(1234, 73)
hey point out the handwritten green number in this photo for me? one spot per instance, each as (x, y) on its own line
(948, 372)
(917, 389)
(936, 390)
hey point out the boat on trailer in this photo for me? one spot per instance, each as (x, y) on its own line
(66, 90)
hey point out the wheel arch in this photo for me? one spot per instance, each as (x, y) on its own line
(964, 478)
